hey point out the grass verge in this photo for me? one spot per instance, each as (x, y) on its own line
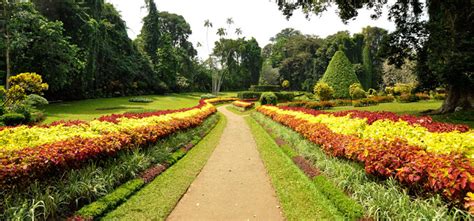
(299, 198)
(234, 110)
(156, 200)
(381, 199)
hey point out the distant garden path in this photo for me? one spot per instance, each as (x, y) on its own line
(234, 184)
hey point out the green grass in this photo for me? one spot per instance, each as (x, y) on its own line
(156, 200)
(94, 108)
(399, 108)
(299, 198)
(238, 112)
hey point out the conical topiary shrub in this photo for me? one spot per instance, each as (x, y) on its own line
(340, 75)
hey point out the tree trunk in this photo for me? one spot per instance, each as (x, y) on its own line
(7, 56)
(457, 96)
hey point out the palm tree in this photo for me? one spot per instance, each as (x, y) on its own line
(221, 32)
(238, 32)
(208, 25)
(229, 22)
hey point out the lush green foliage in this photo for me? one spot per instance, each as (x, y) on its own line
(265, 88)
(340, 75)
(356, 91)
(249, 95)
(268, 98)
(323, 91)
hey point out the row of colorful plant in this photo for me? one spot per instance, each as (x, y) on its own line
(30, 152)
(439, 162)
(243, 104)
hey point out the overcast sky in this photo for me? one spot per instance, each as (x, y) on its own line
(257, 18)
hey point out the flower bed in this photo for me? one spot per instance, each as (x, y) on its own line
(243, 104)
(30, 152)
(391, 148)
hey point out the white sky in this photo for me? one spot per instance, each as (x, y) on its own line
(257, 18)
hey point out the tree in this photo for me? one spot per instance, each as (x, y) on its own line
(399, 75)
(269, 75)
(447, 35)
(40, 46)
(340, 75)
(151, 33)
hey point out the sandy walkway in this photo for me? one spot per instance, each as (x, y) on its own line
(233, 185)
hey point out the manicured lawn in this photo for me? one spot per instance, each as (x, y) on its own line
(94, 108)
(399, 108)
(299, 198)
(156, 200)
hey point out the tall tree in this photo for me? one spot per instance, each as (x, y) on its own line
(447, 35)
(151, 32)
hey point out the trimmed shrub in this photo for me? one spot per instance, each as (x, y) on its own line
(140, 100)
(423, 96)
(35, 100)
(263, 88)
(285, 96)
(286, 84)
(400, 89)
(356, 91)
(322, 105)
(12, 119)
(364, 102)
(341, 102)
(208, 96)
(340, 75)
(407, 98)
(323, 91)
(439, 96)
(371, 91)
(383, 99)
(249, 95)
(269, 98)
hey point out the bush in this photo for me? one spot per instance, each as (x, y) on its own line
(340, 75)
(356, 91)
(249, 95)
(323, 91)
(400, 89)
(24, 110)
(208, 96)
(407, 98)
(341, 102)
(264, 88)
(269, 98)
(383, 99)
(35, 100)
(389, 90)
(322, 105)
(12, 119)
(364, 102)
(140, 100)
(372, 91)
(285, 96)
(440, 97)
(423, 96)
(285, 84)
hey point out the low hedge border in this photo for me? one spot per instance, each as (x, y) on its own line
(123, 192)
(347, 206)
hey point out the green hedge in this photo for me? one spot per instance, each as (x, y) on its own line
(13, 119)
(350, 208)
(264, 88)
(269, 98)
(110, 201)
(249, 95)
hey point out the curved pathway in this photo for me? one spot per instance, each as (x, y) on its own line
(234, 184)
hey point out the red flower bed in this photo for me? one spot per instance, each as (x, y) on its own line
(450, 175)
(31, 163)
(424, 121)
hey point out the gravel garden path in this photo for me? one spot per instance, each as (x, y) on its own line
(234, 184)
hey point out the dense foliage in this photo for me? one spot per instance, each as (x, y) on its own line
(340, 75)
